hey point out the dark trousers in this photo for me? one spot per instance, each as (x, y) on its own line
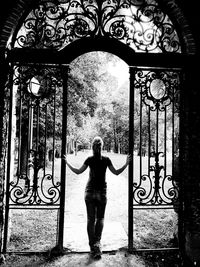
(95, 204)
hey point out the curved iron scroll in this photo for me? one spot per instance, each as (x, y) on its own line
(140, 24)
(34, 189)
(156, 115)
(155, 189)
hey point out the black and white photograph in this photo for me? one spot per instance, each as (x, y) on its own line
(99, 133)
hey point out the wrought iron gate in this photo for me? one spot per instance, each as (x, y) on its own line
(52, 27)
(154, 179)
(37, 139)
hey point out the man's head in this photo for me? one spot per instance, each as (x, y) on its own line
(97, 145)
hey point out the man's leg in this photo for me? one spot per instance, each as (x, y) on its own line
(101, 206)
(99, 228)
(91, 210)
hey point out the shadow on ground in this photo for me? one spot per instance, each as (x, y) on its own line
(120, 258)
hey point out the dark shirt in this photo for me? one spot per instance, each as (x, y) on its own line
(97, 174)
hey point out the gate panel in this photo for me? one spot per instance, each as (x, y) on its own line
(37, 136)
(34, 167)
(155, 187)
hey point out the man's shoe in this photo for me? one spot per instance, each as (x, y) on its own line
(97, 251)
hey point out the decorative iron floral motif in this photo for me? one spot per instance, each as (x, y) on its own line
(155, 189)
(157, 88)
(140, 24)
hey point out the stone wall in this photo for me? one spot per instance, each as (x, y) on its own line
(3, 77)
(191, 165)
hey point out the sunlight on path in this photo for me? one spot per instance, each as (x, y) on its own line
(76, 240)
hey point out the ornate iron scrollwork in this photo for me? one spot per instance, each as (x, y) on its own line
(141, 24)
(157, 88)
(157, 94)
(155, 189)
(35, 189)
(33, 183)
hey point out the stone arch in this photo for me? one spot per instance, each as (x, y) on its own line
(113, 46)
(181, 24)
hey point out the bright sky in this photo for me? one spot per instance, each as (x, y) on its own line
(120, 70)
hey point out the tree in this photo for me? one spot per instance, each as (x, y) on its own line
(85, 74)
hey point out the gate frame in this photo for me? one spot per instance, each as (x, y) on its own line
(115, 47)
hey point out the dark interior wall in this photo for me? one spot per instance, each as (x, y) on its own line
(191, 166)
(191, 13)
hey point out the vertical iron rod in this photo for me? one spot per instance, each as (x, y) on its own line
(54, 130)
(20, 132)
(149, 143)
(173, 132)
(165, 142)
(45, 140)
(36, 155)
(141, 139)
(64, 71)
(131, 165)
(181, 227)
(8, 163)
(157, 129)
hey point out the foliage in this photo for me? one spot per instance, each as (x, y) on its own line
(97, 104)
(82, 96)
(112, 116)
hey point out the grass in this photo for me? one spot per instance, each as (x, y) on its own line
(155, 229)
(32, 230)
(36, 230)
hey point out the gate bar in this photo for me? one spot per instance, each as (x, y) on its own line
(64, 71)
(181, 214)
(130, 166)
(5, 237)
(166, 60)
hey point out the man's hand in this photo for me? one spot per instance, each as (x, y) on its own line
(65, 158)
(128, 159)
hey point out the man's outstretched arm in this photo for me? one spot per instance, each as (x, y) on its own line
(75, 170)
(120, 170)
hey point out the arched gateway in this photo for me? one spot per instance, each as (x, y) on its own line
(50, 36)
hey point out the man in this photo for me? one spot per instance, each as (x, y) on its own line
(96, 192)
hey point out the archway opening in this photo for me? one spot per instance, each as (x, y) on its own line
(98, 105)
(155, 149)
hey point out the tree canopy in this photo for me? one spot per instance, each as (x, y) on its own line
(97, 103)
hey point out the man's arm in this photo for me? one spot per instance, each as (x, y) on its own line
(120, 170)
(76, 170)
